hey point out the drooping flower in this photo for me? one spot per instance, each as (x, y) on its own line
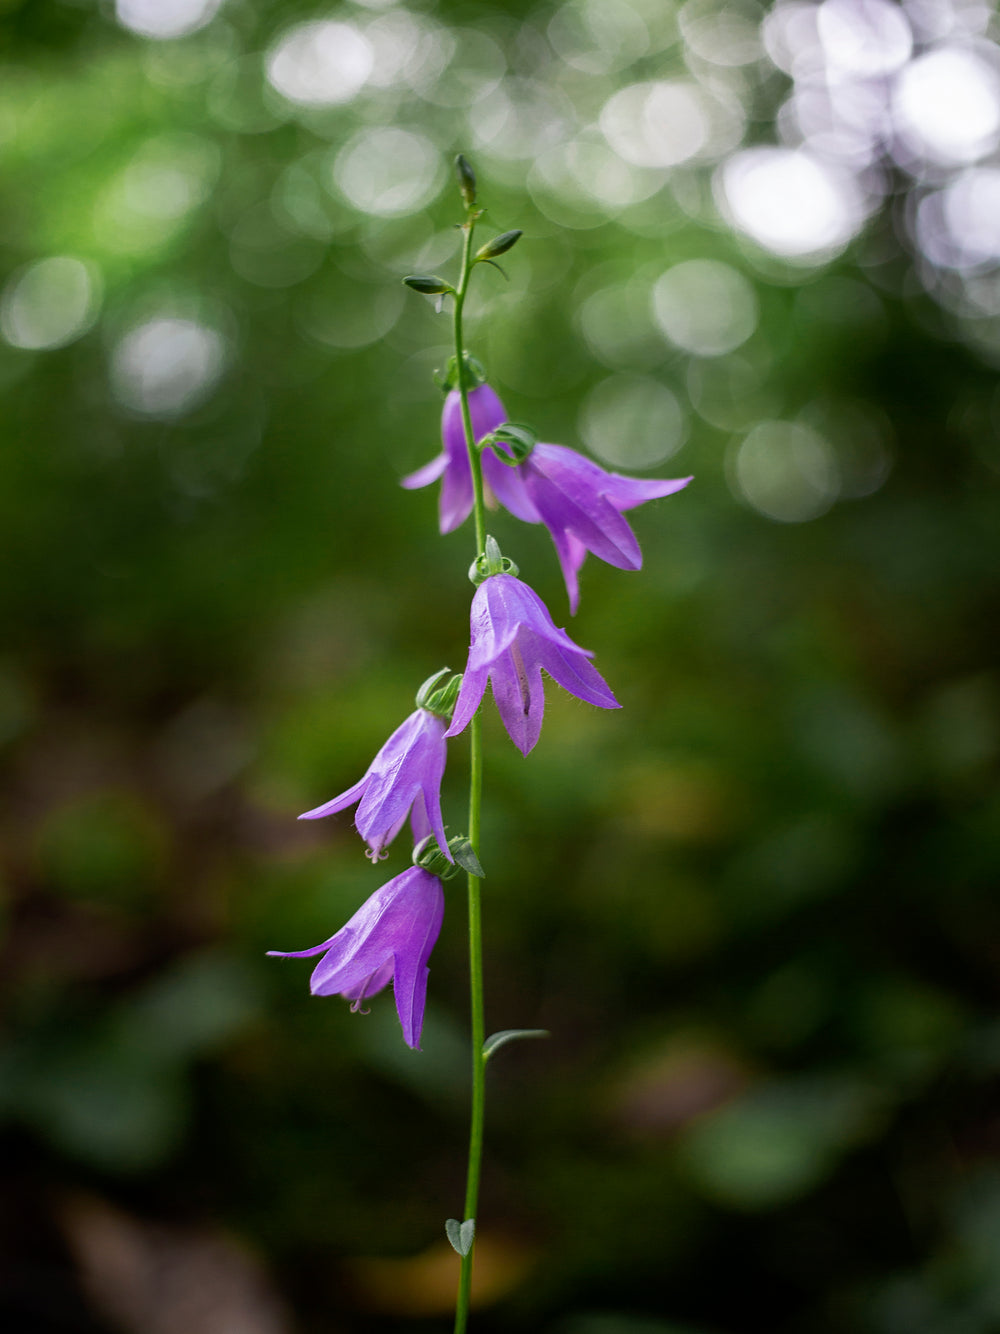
(513, 641)
(389, 938)
(403, 779)
(581, 505)
(452, 465)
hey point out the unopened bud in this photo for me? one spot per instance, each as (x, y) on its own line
(499, 245)
(489, 563)
(427, 284)
(466, 180)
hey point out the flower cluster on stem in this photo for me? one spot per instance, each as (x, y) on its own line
(485, 460)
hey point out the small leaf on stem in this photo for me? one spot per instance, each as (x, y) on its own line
(497, 1040)
(461, 1235)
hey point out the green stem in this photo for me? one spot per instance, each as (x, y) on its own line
(478, 1022)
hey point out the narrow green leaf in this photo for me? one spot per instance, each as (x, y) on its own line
(497, 1040)
(462, 851)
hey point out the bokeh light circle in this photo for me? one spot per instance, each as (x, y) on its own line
(705, 307)
(166, 366)
(49, 303)
(786, 471)
(163, 19)
(320, 64)
(790, 202)
(389, 172)
(632, 421)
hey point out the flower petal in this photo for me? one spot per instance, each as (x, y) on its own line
(340, 803)
(430, 472)
(469, 698)
(627, 492)
(574, 672)
(508, 486)
(417, 927)
(519, 694)
(567, 490)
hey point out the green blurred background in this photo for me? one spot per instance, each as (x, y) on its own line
(757, 908)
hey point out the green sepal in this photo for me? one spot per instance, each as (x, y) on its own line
(439, 699)
(497, 1040)
(429, 857)
(499, 245)
(466, 180)
(491, 562)
(465, 855)
(461, 1235)
(515, 442)
(428, 284)
(475, 374)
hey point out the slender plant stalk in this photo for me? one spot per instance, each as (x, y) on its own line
(478, 1020)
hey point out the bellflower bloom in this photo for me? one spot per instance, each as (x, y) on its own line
(513, 641)
(581, 505)
(389, 938)
(403, 779)
(452, 465)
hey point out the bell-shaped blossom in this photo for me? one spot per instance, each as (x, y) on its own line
(403, 779)
(389, 938)
(501, 482)
(513, 641)
(581, 505)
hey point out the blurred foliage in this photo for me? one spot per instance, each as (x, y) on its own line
(756, 909)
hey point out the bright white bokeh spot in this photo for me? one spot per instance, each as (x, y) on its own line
(656, 124)
(49, 303)
(959, 227)
(408, 50)
(167, 366)
(320, 64)
(727, 35)
(791, 39)
(947, 106)
(933, 20)
(632, 421)
(521, 118)
(847, 120)
(475, 66)
(165, 18)
(598, 36)
(786, 471)
(790, 202)
(705, 307)
(388, 172)
(864, 37)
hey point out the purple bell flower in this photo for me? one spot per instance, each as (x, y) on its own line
(581, 505)
(452, 465)
(513, 641)
(389, 938)
(403, 779)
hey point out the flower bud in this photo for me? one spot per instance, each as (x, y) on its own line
(491, 562)
(499, 245)
(427, 284)
(466, 180)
